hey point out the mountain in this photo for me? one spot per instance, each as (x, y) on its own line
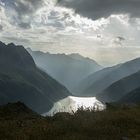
(15, 111)
(121, 88)
(69, 70)
(132, 98)
(99, 81)
(21, 80)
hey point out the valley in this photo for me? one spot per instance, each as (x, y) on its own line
(69, 70)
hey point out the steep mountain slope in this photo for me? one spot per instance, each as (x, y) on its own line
(120, 88)
(21, 80)
(67, 69)
(132, 97)
(99, 81)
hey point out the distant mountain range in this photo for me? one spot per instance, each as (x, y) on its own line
(21, 80)
(69, 70)
(105, 80)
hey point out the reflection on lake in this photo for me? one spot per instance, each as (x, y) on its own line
(71, 104)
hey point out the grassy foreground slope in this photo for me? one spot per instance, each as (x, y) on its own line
(115, 123)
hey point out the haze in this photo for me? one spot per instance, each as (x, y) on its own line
(105, 34)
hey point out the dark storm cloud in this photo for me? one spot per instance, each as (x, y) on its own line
(103, 8)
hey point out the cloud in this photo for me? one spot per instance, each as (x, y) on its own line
(118, 41)
(34, 13)
(47, 26)
(1, 27)
(24, 7)
(96, 9)
(16, 39)
(21, 12)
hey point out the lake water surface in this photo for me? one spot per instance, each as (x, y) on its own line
(71, 104)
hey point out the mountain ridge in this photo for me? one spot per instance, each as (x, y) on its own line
(131, 98)
(21, 80)
(69, 70)
(121, 88)
(99, 81)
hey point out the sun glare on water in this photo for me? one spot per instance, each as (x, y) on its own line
(71, 104)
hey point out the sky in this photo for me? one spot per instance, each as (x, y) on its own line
(105, 30)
